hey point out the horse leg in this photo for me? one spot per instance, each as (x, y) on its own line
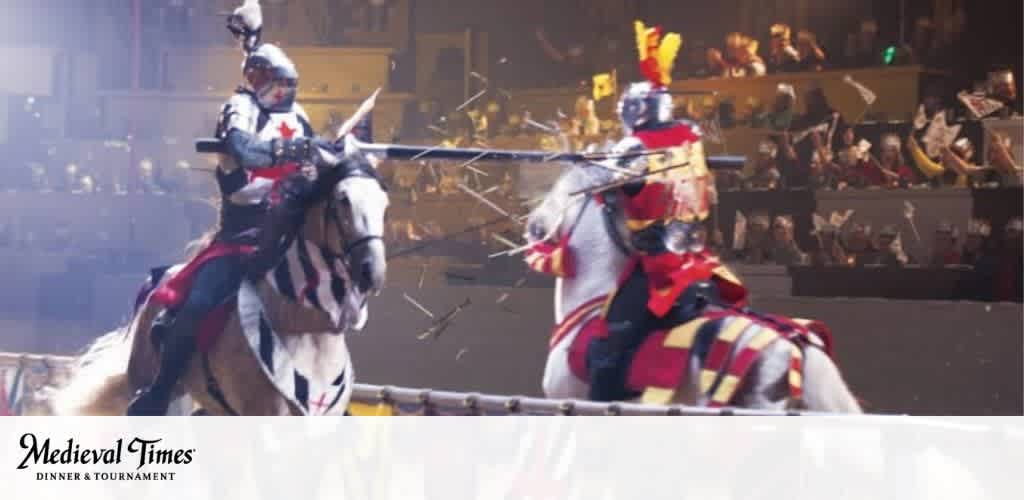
(824, 387)
(239, 376)
(559, 382)
(767, 387)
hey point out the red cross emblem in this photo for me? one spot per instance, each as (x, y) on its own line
(320, 405)
(286, 131)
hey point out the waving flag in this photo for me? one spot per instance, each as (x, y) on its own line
(604, 85)
(979, 105)
(865, 93)
(939, 135)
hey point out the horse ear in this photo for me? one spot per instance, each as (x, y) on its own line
(327, 157)
(351, 145)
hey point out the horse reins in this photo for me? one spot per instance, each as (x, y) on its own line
(609, 207)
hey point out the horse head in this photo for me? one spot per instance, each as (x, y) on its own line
(570, 217)
(346, 220)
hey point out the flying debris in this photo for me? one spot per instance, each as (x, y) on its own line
(478, 76)
(533, 123)
(442, 324)
(470, 100)
(504, 241)
(462, 352)
(485, 201)
(474, 160)
(419, 306)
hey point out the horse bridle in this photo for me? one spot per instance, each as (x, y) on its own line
(331, 212)
(609, 209)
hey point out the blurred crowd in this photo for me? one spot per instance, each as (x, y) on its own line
(819, 149)
(930, 45)
(994, 257)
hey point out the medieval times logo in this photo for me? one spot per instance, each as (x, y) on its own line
(141, 453)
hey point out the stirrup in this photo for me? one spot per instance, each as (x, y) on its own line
(146, 404)
(159, 328)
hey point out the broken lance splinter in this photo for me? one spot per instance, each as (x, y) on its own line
(406, 152)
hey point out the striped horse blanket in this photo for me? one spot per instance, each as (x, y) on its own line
(309, 276)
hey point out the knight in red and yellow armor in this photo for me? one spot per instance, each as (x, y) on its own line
(671, 275)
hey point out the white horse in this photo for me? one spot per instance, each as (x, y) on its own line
(599, 262)
(317, 293)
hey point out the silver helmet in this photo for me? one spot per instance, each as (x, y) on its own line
(644, 105)
(272, 77)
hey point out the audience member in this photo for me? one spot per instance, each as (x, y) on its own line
(738, 60)
(891, 160)
(975, 249)
(811, 56)
(1009, 276)
(825, 172)
(782, 56)
(864, 48)
(977, 253)
(923, 48)
(957, 158)
(756, 249)
(944, 248)
(1006, 167)
(1001, 87)
(857, 169)
(818, 117)
(890, 248)
(780, 117)
(784, 250)
(827, 250)
(765, 173)
(860, 250)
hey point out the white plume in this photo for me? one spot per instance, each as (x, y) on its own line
(250, 14)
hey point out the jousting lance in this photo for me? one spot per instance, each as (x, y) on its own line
(407, 152)
(348, 138)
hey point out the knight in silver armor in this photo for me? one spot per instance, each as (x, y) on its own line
(264, 178)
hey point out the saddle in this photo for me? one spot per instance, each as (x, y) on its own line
(170, 292)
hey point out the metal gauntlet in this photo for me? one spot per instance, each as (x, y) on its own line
(298, 150)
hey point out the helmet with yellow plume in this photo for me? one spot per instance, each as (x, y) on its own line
(647, 104)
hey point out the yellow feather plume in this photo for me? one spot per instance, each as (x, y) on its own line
(657, 52)
(641, 39)
(667, 51)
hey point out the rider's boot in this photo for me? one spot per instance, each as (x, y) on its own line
(283, 221)
(177, 344)
(608, 362)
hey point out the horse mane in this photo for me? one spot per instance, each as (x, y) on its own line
(574, 179)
